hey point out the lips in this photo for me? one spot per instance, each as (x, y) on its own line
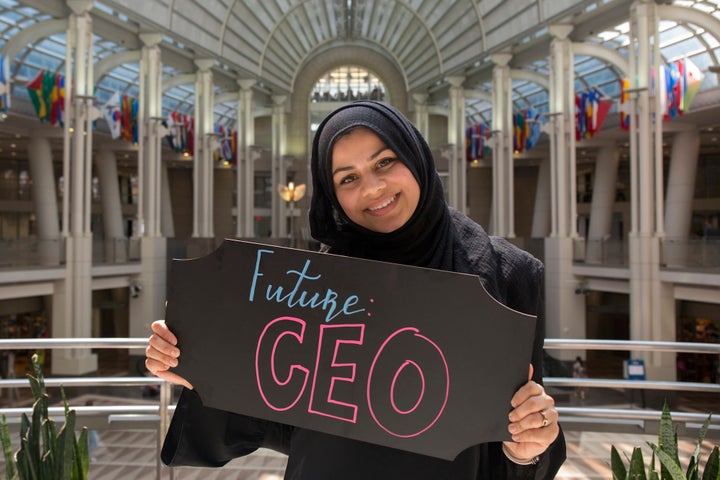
(379, 208)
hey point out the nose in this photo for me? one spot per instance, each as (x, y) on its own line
(373, 185)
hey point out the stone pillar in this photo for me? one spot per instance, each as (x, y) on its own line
(245, 203)
(150, 135)
(115, 241)
(603, 200)
(650, 319)
(457, 166)
(502, 159)
(680, 194)
(422, 120)
(565, 309)
(72, 314)
(541, 215)
(279, 172)
(203, 164)
(45, 200)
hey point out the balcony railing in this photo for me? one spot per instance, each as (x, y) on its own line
(156, 416)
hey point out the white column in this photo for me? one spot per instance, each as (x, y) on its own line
(422, 121)
(603, 200)
(150, 135)
(457, 171)
(245, 197)
(565, 309)
(541, 214)
(115, 241)
(279, 173)
(650, 319)
(203, 167)
(42, 173)
(72, 313)
(680, 193)
(166, 214)
(502, 158)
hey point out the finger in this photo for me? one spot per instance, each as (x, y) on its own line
(530, 389)
(175, 379)
(542, 436)
(163, 360)
(162, 345)
(537, 420)
(160, 328)
(530, 372)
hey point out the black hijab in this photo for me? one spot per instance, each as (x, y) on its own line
(427, 238)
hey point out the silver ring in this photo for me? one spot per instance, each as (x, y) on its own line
(544, 418)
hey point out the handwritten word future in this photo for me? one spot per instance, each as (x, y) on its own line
(327, 300)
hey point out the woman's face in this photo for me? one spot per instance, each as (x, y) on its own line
(375, 189)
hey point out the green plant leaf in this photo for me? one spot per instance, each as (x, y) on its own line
(618, 466)
(701, 439)
(671, 466)
(712, 466)
(83, 454)
(7, 450)
(667, 440)
(637, 465)
(692, 470)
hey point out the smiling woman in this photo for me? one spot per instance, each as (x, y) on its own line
(374, 188)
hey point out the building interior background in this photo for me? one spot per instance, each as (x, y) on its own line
(586, 131)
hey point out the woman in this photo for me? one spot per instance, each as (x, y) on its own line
(377, 195)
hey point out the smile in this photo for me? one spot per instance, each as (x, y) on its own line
(380, 207)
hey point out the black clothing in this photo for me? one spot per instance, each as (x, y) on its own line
(207, 437)
(435, 237)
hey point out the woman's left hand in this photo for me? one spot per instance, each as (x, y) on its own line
(533, 421)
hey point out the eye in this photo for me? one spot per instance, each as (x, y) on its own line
(347, 179)
(384, 162)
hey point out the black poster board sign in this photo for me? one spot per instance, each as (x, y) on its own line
(411, 358)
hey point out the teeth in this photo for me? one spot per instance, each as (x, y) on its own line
(383, 205)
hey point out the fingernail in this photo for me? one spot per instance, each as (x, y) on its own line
(513, 428)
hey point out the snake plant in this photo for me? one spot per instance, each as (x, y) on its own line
(666, 451)
(45, 453)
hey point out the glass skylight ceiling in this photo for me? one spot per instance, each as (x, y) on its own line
(677, 40)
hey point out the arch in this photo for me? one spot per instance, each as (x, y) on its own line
(530, 76)
(691, 15)
(171, 82)
(604, 53)
(313, 68)
(108, 63)
(312, 51)
(32, 34)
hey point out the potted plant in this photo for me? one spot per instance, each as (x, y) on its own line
(45, 453)
(666, 451)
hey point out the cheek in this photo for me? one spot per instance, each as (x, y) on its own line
(345, 200)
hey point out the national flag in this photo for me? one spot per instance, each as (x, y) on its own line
(4, 84)
(624, 104)
(692, 80)
(57, 100)
(35, 90)
(111, 112)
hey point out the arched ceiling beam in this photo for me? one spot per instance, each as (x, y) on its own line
(32, 34)
(176, 81)
(112, 61)
(604, 53)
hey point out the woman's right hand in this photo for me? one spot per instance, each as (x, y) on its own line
(162, 354)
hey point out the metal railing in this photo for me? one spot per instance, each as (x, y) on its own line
(157, 416)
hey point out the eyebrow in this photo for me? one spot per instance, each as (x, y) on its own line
(369, 159)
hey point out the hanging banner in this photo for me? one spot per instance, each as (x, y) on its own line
(410, 358)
